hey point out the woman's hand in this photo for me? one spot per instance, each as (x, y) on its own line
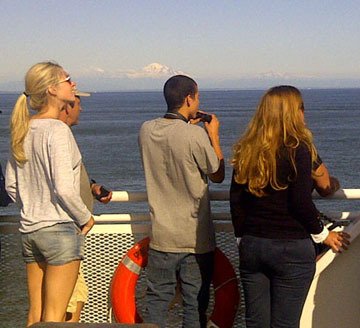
(337, 241)
(87, 226)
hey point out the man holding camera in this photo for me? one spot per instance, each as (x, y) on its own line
(178, 159)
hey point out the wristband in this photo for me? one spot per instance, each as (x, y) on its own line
(320, 237)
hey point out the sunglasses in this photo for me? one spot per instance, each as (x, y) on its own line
(68, 79)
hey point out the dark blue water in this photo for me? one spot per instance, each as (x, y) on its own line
(109, 125)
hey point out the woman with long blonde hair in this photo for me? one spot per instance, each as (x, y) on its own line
(43, 178)
(272, 211)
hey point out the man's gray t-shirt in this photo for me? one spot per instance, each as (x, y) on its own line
(177, 158)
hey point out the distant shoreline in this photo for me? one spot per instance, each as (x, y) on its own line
(202, 89)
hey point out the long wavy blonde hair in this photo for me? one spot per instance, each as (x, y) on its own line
(277, 124)
(37, 81)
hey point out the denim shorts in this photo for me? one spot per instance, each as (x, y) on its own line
(55, 245)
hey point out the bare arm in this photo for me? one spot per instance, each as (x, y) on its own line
(219, 175)
(212, 129)
(325, 184)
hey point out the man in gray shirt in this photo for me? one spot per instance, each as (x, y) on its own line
(178, 158)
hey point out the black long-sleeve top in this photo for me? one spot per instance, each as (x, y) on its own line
(280, 214)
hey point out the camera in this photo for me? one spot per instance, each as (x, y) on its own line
(204, 117)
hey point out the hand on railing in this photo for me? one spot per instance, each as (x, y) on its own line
(337, 241)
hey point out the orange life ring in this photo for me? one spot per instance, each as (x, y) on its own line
(122, 290)
(227, 294)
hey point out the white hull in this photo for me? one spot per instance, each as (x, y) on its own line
(334, 297)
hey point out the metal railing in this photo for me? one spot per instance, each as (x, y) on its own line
(125, 196)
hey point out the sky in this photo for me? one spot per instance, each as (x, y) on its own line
(114, 45)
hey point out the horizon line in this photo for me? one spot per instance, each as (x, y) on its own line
(202, 89)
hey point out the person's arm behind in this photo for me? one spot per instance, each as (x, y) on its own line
(10, 184)
(102, 195)
(325, 184)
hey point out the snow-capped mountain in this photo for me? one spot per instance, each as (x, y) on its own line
(153, 70)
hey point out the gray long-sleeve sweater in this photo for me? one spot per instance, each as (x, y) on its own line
(47, 186)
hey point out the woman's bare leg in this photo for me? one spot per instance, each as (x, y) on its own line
(59, 285)
(35, 275)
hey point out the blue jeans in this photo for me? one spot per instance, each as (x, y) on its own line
(194, 271)
(276, 276)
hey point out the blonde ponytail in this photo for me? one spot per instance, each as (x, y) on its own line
(37, 81)
(19, 125)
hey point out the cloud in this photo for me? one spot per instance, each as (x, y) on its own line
(91, 71)
(153, 70)
(282, 76)
(98, 70)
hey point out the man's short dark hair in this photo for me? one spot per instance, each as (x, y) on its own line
(176, 89)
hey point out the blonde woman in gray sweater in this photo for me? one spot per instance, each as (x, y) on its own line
(43, 178)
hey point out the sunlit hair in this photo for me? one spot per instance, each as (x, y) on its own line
(176, 89)
(37, 81)
(277, 125)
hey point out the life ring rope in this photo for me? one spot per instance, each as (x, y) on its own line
(131, 265)
(225, 283)
(211, 324)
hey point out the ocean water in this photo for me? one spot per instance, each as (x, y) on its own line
(107, 137)
(109, 125)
